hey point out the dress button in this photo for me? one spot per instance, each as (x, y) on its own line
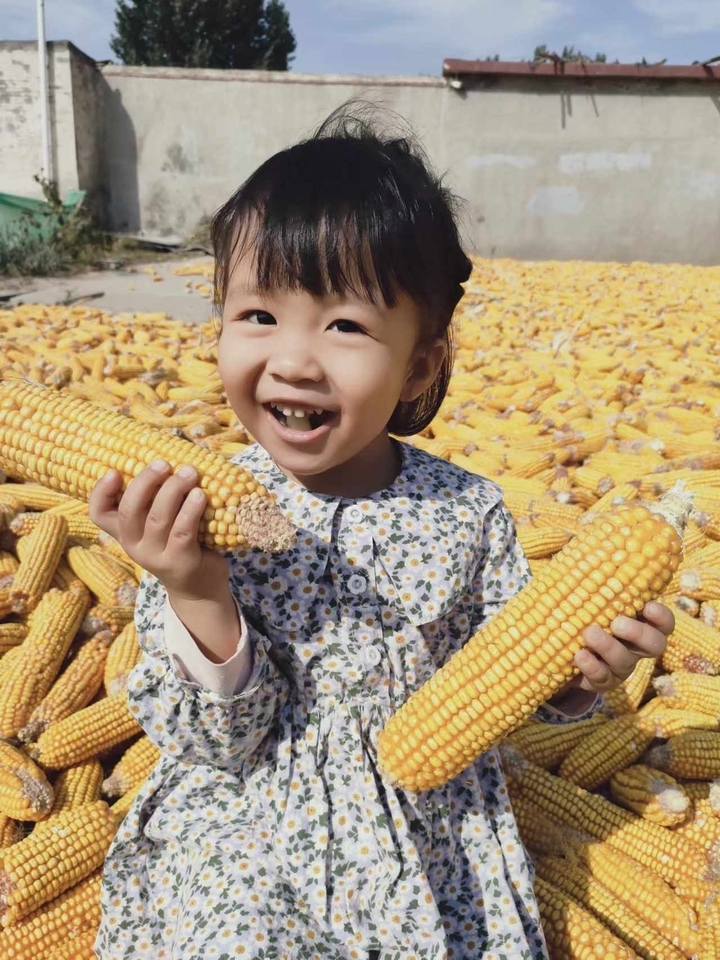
(357, 584)
(373, 656)
(355, 514)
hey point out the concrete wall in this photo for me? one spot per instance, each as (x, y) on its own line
(560, 167)
(20, 134)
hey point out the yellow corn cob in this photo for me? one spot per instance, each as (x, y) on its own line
(8, 563)
(710, 613)
(690, 691)
(546, 744)
(649, 844)
(619, 919)
(653, 794)
(79, 948)
(74, 786)
(112, 619)
(703, 790)
(102, 575)
(121, 806)
(700, 583)
(686, 604)
(45, 547)
(74, 688)
(34, 496)
(25, 793)
(691, 639)
(104, 724)
(125, 563)
(133, 768)
(627, 697)
(694, 754)
(75, 911)
(124, 653)
(525, 654)
(11, 634)
(571, 931)
(111, 546)
(669, 722)
(56, 621)
(540, 542)
(73, 444)
(635, 885)
(612, 747)
(78, 525)
(48, 862)
(11, 831)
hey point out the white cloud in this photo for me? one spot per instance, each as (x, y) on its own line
(472, 28)
(682, 16)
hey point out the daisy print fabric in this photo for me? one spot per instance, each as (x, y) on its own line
(265, 831)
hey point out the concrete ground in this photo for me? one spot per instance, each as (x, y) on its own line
(140, 288)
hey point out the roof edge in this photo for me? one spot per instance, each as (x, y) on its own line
(572, 68)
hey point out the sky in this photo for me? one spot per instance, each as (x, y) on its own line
(413, 37)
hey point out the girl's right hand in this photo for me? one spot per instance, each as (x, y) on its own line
(156, 522)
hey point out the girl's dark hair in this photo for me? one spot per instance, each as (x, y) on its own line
(351, 211)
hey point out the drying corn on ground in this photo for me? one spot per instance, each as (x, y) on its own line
(577, 386)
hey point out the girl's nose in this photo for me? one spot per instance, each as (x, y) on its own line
(294, 361)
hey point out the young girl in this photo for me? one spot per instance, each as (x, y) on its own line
(265, 830)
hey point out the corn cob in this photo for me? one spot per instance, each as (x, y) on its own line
(56, 621)
(668, 722)
(651, 793)
(50, 861)
(34, 496)
(694, 754)
(541, 542)
(501, 676)
(86, 442)
(132, 769)
(120, 807)
(74, 786)
(11, 831)
(648, 843)
(78, 526)
(619, 919)
(546, 744)
(571, 931)
(690, 691)
(689, 639)
(123, 655)
(612, 747)
(8, 564)
(112, 619)
(11, 634)
(635, 885)
(25, 793)
(74, 689)
(700, 583)
(73, 912)
(710, 613)
(45, 546)
(79, 948)
(104, 724)
(105, 578)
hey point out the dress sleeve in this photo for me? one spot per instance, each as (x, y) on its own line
(185, 719)
(502, 572)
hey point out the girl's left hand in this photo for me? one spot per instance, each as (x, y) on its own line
(609, 658)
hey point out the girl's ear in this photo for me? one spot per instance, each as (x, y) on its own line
(423, 369)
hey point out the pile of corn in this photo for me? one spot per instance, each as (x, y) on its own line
(576, 386)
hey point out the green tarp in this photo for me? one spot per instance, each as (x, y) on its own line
(35, 215)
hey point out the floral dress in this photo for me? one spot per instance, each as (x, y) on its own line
(266, 831)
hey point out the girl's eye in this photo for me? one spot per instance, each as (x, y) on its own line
(260, 317)
(347, 326)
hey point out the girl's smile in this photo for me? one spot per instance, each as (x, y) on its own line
(315, 379)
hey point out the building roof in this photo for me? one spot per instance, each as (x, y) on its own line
(586, 69)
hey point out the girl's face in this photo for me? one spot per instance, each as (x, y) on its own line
(315, 380)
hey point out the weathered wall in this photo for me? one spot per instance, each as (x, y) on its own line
(550, 167)
(20, 136)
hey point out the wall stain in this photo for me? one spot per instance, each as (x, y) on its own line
(177, 160)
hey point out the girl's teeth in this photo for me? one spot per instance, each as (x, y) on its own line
(298, 423)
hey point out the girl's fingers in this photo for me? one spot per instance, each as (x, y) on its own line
(596, 674)
(187, 520)
(613, 653)
(166, 507)
(659, 616)
(103, 502)
(639, 637)
(138, 500)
